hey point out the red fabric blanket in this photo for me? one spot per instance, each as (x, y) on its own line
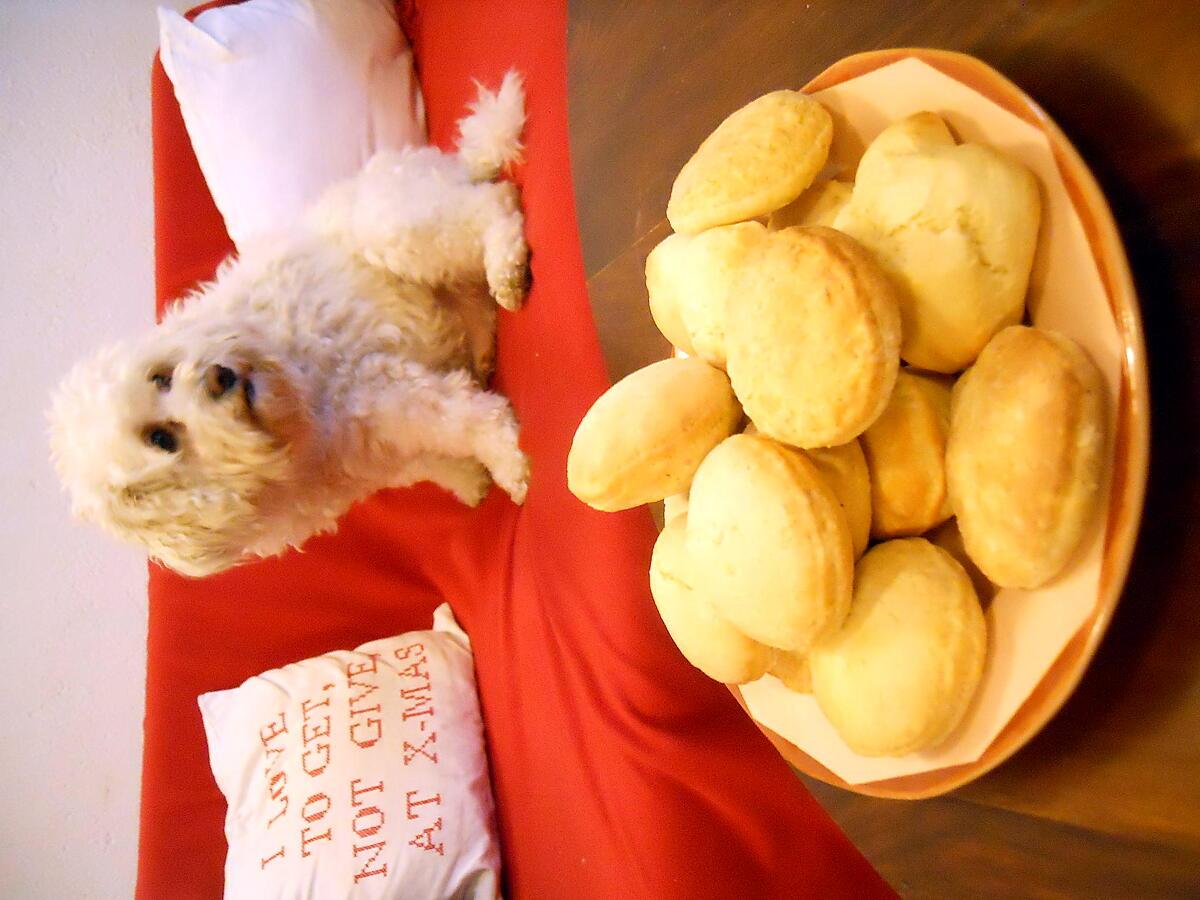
(619, 770)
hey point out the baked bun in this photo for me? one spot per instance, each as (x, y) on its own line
(844, 469)
(666, 298)
(769, 542)
(691, 278)
(757, 160)
(792, 669)
(819, 205)
(900, 673)
(645, 436)
(705, 639)
(906, 454)
(674, 506)
(813, 348)
(1025, 459)
(956, 226)
(949, 538)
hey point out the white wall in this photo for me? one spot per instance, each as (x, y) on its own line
(75, 270)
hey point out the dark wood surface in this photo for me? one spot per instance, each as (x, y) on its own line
(1105, 802)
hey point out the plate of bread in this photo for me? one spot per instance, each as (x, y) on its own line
(902, 442)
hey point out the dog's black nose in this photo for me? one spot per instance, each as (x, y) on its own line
(218, 380)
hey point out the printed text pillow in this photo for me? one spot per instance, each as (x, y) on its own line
(358, 774)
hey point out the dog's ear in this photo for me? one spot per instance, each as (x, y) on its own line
(133, 504)
(130, 497)
(176, 532)
(189, 558)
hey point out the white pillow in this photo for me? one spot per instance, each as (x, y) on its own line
(358, 774)
(282, 98)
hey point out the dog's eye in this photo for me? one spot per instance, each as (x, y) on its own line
(162, 380)
(163, 439)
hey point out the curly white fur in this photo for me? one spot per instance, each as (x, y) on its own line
(317, 368)
(490, 138)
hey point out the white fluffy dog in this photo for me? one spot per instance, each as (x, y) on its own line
(347, 356)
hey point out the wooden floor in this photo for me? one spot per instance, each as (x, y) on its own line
(1106, 801)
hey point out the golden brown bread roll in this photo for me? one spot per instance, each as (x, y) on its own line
(949, 538)
(956, 226)
(906, 454)
(757, 160)
(666, 300)
(901, 672)
(819, 205)
(1025, 459)
(705, 639)
(813, 348)
(769, 542)
(674, 506)
(792, 669)
(844, 469)
(692, 278)
(645, 436)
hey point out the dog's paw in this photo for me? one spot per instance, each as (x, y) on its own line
(513, 477)
(510, 292)
(473, 486)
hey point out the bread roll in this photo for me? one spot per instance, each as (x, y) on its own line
(901, 672)
(906, 454)
(645, 436)
(1025, 459)
(694, 276)
(819, 205)
(705, 639)
(665, 295)
(813, 349)
(674, 506)
(792, 669)
(955, 225)
(844, 469)
(949, 538)
(769, 542)
(757, 160)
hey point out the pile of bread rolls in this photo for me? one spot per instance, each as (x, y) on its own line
(859, 439)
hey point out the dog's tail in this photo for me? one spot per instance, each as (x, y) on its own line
(490, 137)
